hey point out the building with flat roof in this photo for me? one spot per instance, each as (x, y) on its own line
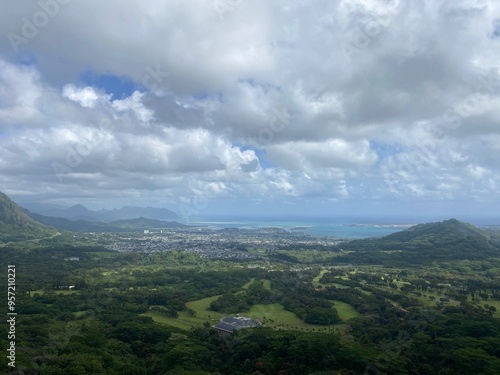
(229, 325)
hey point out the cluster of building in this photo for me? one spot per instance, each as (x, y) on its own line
(231, 243)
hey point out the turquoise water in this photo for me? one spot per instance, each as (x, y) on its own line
(344, 231)
(341, 230)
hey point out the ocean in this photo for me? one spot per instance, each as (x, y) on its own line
(312, 227)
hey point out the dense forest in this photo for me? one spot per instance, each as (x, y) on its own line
(134, 313)
(425, 300)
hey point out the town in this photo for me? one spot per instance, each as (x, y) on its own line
(229, 243)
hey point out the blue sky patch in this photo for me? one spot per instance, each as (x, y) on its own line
(385, 150)
(207, 95)
(496, 29)
(27, 58)
(260, 153)
(119, 87)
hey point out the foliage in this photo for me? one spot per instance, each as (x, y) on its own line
(432, 319)
(423, 244)
(15, 225)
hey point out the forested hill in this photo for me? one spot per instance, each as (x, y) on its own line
(138, 224)
(452, 229)
(446, 240)
(16, 225)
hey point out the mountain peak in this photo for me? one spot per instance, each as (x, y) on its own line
(449, 239)
(444, 229)
(79, 206)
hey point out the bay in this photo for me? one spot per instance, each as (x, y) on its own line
(311, 227)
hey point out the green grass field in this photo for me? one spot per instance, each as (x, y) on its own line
(247, 285)
(40, 292)
(275, 316)
(272, 315)
(496, 304)
(318, 278)
(267, 284)
(273, 312)
(182, 322)
(345, 310)
(201, 307)
(311, 256)
(186, 321)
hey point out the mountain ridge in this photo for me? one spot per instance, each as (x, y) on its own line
(16, 225)
(136, 224)
(80, 212)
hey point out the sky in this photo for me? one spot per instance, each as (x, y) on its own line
(239, 107)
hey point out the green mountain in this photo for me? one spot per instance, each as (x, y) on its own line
(446, 240)
(15, 225)
(144, 223)
(138, 224)
(79, 212)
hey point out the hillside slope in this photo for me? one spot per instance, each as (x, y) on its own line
(15, 225)
(446, 240)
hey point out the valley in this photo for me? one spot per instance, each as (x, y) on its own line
(423, 300)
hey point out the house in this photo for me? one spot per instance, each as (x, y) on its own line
(229, 325)
(72, 259)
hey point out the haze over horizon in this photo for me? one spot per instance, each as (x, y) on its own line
(349, 108)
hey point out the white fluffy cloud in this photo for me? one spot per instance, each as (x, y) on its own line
(282, 101)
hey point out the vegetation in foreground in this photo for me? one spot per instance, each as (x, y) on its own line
(130, 313)
(424, 301)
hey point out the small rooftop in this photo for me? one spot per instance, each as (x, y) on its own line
(231, 324)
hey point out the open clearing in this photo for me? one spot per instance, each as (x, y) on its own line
(496, 304)
(41, 292)
(345, 310)
(186, 321)
(275, 316)
(318, 278)
(272, 315)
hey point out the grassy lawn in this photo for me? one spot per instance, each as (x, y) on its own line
(364, 291)
(311, 256)
(345, 310)
(273, 315)
(318, 278)
(182, 322)
(274, 312)
(401, 283)
(496, 304)
(340, 286)
(267, 284)
(186, 321)
(201, 307)
(247, 285)
(427, 302)
(39, 291)
(278, 318)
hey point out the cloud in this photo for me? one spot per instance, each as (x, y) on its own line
(311, 157)
(283, 101)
